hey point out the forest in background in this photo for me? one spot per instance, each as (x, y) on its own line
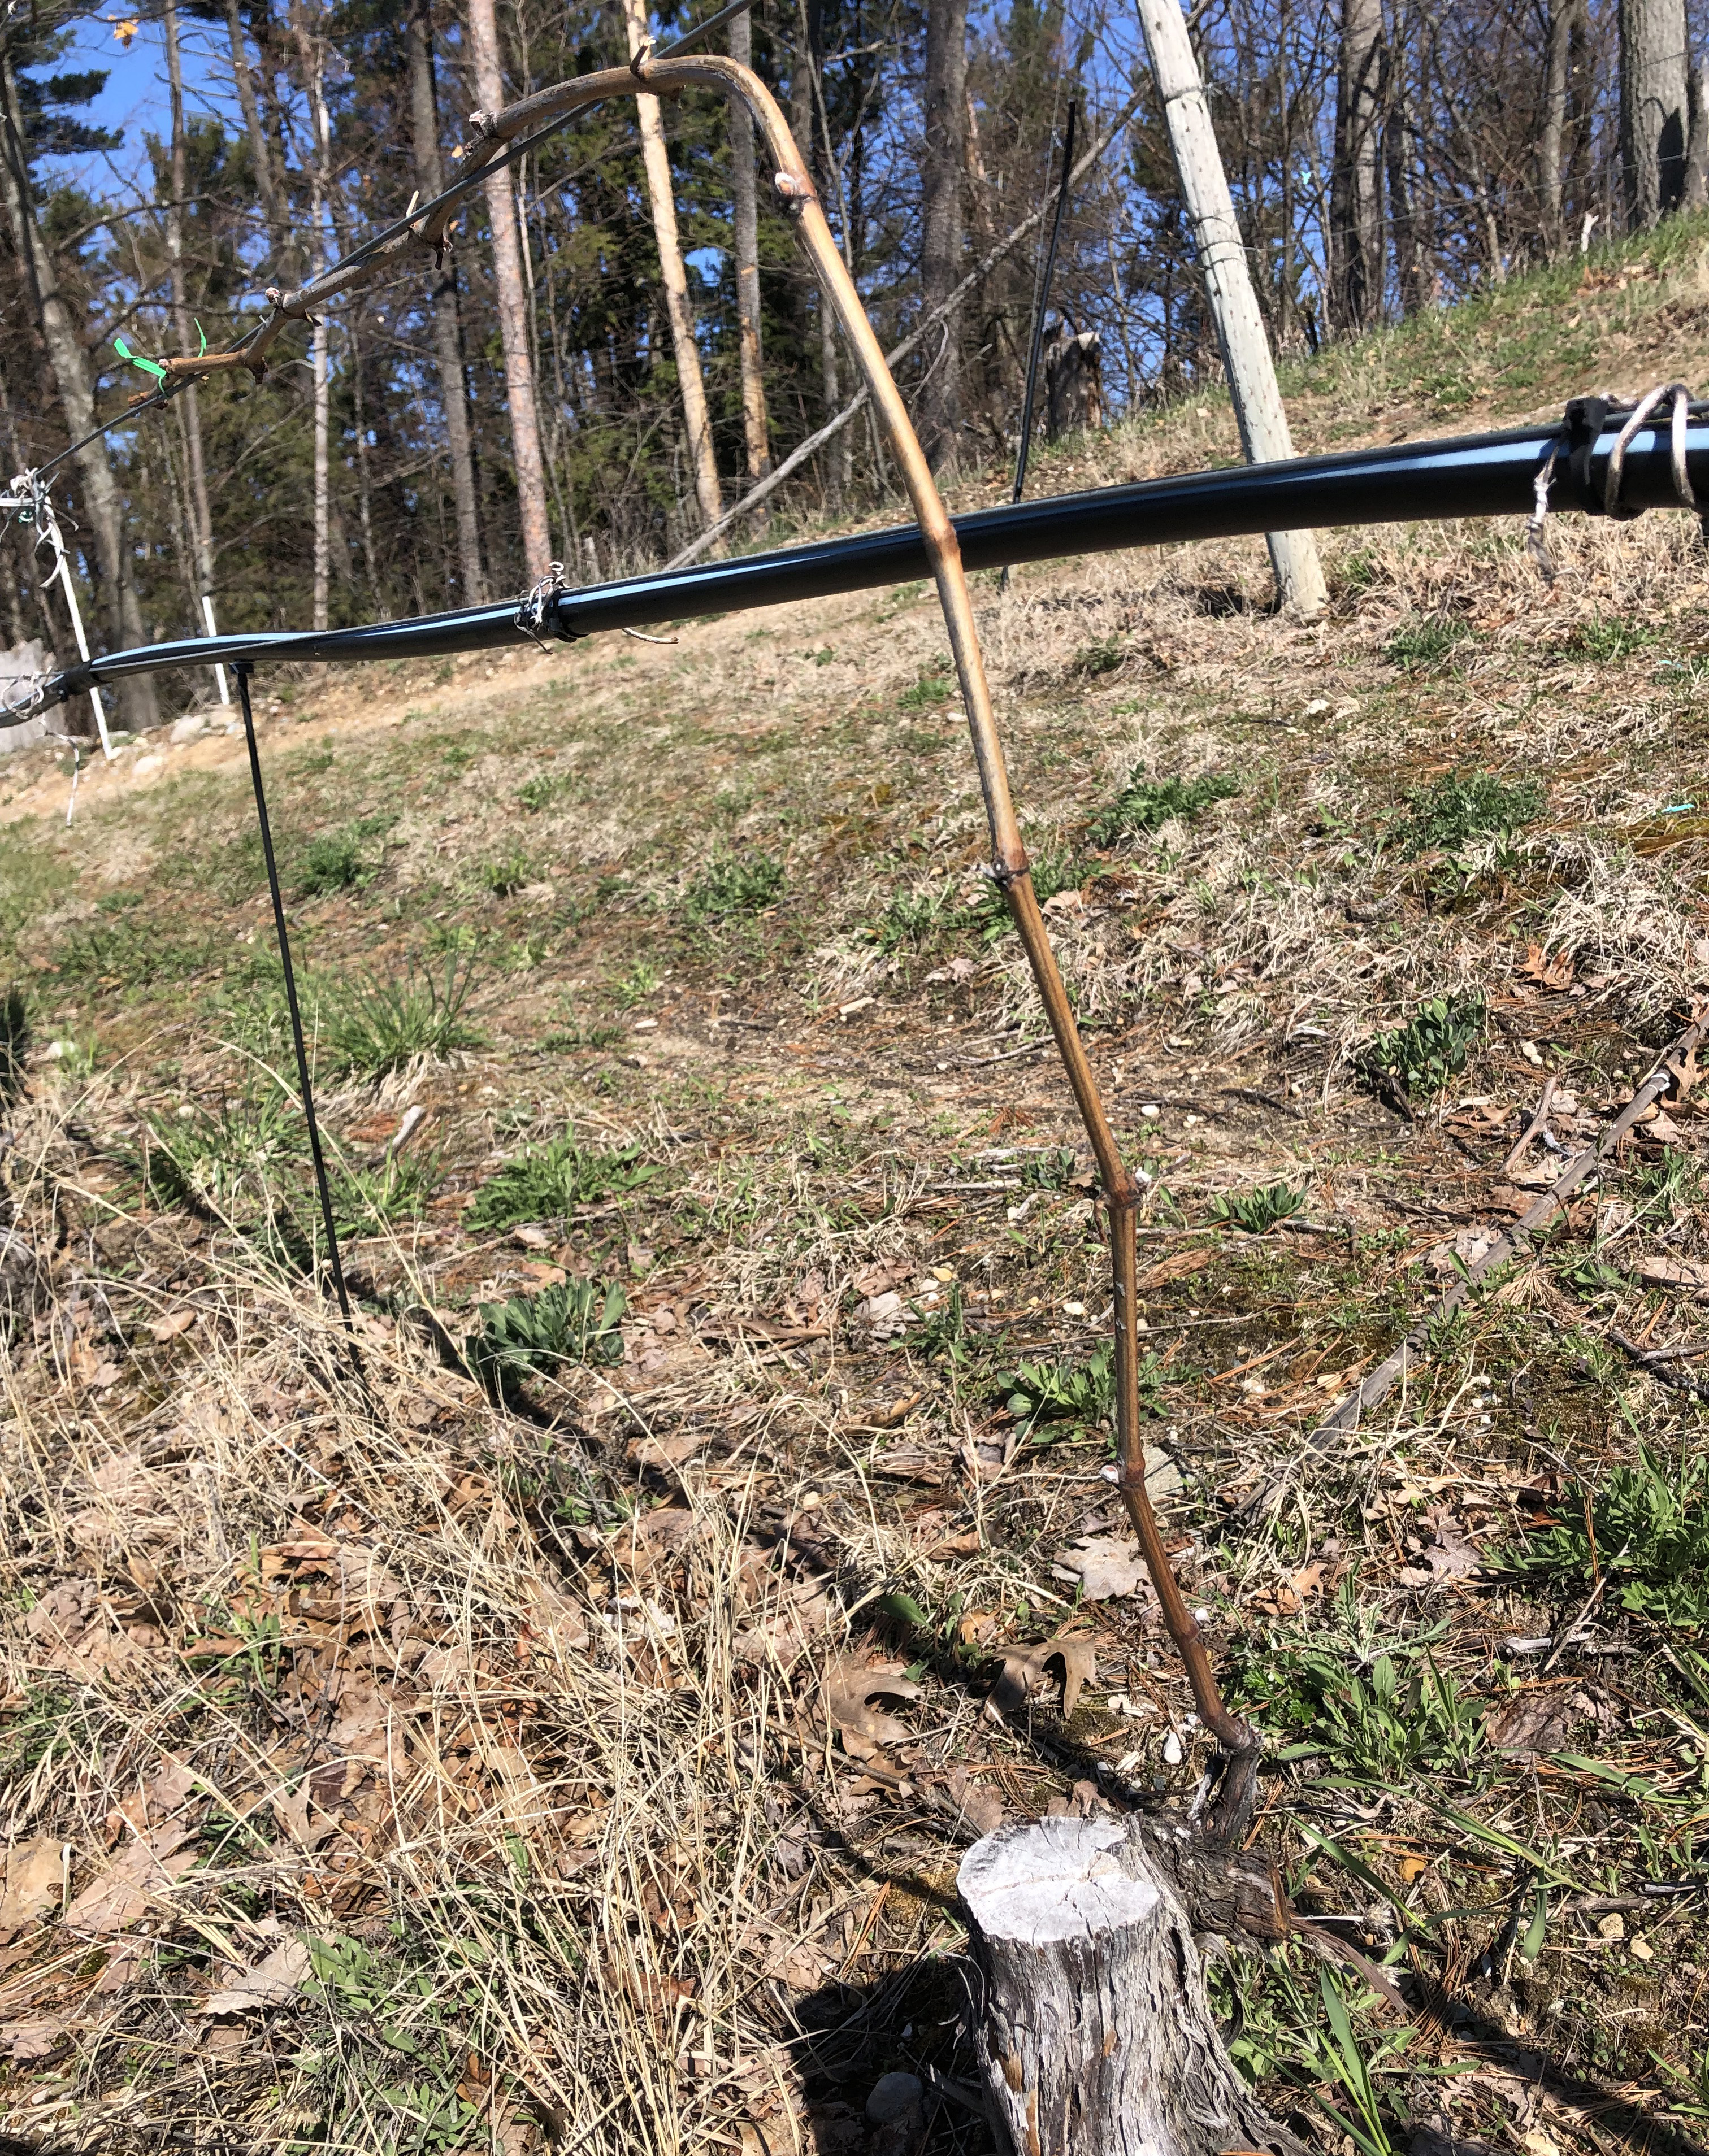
(1385, 156)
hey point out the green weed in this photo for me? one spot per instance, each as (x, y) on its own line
(1383, 1721)
(1465, 805)
(935, 687)
(1145, 805)
(912, 920)
(548, 1181)
(540, 792)
(505, 875)
(1108, 656)
(537, 1335)
(372, 1027)
(738, 883)
(1076, 1395)
(637, 984)
(331, 862)
(1611, 639)
(239, 1162)
(1256, 1212)
(1645, 1528)
(1424, 640)
(1417, 1059)
(1052, 871)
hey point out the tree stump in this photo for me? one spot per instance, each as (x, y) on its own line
(1096, 2037)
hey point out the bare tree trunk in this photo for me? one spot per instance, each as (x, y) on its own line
(1095, 2032)
(745, 194)
(266, 181)
(1655, 119)
(1356, 200)
(1258, 411)
(690, 383)
(1696, 191)
(511, 293)
(1563, 20)
(447, 342)
(100, 499)
(1402, 210)
(189, 411)
(943, 160)
(312, 56)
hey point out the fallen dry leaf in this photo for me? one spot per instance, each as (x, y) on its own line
(124, 1894)
(1104, 1565)
(174, 1323)
(272, 1981)
(1673, 1272)
(38, 2038)
(850, 1687)
(1177, 1267)
(1025, 1670)
(33, 1883)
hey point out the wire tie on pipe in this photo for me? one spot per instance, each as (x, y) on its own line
(531, 612)
(1534, 545)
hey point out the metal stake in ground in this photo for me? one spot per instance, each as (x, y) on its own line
(307, 1089)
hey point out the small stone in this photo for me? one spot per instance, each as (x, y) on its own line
(1642, 1950)
(1612, 1927)
(894, 2097)
(1171, 1750)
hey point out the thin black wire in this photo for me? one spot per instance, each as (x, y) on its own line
(242, 670)
(1043, 308)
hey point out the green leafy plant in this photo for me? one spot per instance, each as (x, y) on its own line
(15, 1042)
(737, 883)
(1417, 1059)
(332, 861)
(1605, 639)
(1255, 1212)
(1383, 1721)
(366, 1201)
(1108, 656)
(1054, 1168)
(372, 1027)
(1145, 805)
(935, 686)
(1464, 805)
(548, 1180)
(912, 920)
(540, 792)
(238, 1161)
(1053, 871)
(1076, 1395)
(1425, 640)
(637, 984)
(533, 1336)
(1644, 1526)
(505, 874)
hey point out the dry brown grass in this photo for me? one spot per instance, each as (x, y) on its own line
(511, 1716)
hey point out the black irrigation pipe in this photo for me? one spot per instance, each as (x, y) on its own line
(1411, 482)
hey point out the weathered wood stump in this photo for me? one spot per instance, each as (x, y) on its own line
(1096, 2036)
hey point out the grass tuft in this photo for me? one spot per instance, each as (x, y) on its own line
(1466, 805)
(374, 1027)
(1145, 805)
(549, 1181)
(738, 883)
(1645, 1526)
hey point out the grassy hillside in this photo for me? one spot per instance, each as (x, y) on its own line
(462, 1755)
